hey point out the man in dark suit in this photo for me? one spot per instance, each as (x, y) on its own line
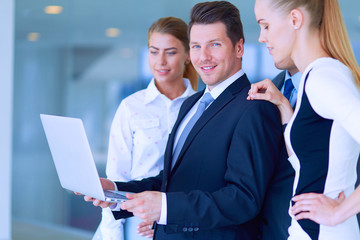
(276, 219)
(217, 167)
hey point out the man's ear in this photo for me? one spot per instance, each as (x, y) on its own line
(239, 47)
(297, 18)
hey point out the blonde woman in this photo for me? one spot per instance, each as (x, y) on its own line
(323, 133)
(143, 121)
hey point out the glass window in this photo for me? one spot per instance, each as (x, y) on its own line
(80, 59)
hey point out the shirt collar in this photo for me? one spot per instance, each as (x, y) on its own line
(294, 78)
(152, 92)
(218, 89)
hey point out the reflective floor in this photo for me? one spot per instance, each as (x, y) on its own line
(22, 230)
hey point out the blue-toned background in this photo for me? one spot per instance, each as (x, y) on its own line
(65, 64)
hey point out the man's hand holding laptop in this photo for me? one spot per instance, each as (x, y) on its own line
(106, 185)
(77, 172)
(145, 205)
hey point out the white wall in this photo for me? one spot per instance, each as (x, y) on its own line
(6, 92)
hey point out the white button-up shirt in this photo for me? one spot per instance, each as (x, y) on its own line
(140, 131)
(138, 137)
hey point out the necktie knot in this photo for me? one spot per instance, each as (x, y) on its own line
(288, 88)
(206, 100)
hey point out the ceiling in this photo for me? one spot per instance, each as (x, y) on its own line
(82, 24)
(85, 21)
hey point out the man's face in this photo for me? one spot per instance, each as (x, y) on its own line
(213, 54)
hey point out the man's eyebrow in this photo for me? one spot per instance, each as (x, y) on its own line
(215, 40)
(212, 40)
(171, 48)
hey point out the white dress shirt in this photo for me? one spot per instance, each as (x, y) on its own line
(215, 93)
(138, 138)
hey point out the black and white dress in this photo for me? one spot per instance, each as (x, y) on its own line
(324, 138)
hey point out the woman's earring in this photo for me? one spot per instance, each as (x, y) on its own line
(296, 27)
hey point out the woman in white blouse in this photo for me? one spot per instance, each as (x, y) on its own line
(144, 120)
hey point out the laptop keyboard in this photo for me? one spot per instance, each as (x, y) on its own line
(115, 194)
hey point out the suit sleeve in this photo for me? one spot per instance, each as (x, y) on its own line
(252, 156)
(147, 184)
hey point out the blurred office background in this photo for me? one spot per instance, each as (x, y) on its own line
(80, 58)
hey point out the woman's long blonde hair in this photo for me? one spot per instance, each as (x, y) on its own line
(177, 28)
(326, 16)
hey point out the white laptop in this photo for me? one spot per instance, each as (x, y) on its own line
(73, 159)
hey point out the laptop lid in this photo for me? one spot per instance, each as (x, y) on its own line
(72, 155)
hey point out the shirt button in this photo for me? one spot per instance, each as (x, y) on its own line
(190, 229)
(185, 229)
(196, 229)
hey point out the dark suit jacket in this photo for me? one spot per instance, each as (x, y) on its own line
(279, 80)
(276, 219)
(217, 186)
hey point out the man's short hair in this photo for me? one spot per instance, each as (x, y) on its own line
(218, 11)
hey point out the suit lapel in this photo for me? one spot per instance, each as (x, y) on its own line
(185, 108)
(279, 80)
(225, 97)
